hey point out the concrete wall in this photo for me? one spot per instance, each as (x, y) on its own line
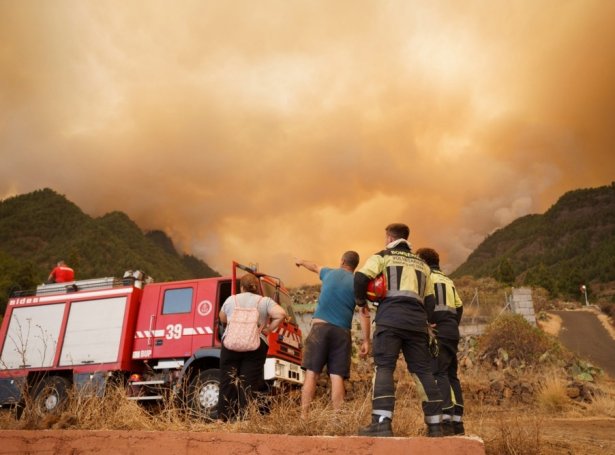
(199, 443)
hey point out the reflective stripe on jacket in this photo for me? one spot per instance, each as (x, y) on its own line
(448, 308)
(408, 287)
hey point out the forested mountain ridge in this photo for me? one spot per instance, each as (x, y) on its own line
(572, 243)
(39, 228)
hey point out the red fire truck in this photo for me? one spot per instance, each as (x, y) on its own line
(162, 339)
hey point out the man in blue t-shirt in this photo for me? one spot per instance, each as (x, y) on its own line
(329, 341)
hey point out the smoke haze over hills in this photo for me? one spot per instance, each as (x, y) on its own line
(260, 131)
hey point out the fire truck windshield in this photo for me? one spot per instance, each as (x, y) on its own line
(280, 296)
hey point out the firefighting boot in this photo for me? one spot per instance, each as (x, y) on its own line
(434, 430)
(458, 428)
(447, 428)
(380, 427)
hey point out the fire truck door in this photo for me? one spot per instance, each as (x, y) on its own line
(175, 315)
(212, 294)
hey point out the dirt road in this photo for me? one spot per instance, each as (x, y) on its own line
(583, 333)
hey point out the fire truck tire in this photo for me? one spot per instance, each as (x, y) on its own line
(203, 393)
(51, 395)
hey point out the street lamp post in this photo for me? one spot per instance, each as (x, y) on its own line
(584, 291)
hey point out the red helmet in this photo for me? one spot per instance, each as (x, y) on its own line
(377, 289)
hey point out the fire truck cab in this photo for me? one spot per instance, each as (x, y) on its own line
(161, 339)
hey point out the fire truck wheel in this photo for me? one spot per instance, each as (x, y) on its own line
(51, 395)
(203, 393)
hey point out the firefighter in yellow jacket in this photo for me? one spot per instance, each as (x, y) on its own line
(401, 326)
(446, 317)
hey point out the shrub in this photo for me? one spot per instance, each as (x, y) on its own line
(513, 337)
(607, 308)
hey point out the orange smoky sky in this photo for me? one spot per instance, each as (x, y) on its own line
(260, 131)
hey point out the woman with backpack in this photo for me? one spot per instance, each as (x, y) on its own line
(250, 318)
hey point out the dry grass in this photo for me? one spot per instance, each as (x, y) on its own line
(603, 405)
(551, 396)
(505, 429)
(603, 402)
(116, 412)
(514, 434)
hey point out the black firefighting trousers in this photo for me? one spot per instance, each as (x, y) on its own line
(445, 371)
(387, 344)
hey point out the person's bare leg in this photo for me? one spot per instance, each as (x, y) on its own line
(338, 392)
(308, 391)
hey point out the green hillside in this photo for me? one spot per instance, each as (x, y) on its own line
(572, 243)
(39, 228)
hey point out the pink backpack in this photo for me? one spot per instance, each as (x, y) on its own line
(243, 332)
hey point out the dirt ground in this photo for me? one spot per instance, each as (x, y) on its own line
(584, 436)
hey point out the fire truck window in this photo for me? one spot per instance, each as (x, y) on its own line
(225, 291)
(286, 303)
(283, 299)
(177, 301)
(269, 290)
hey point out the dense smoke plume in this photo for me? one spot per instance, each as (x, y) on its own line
(261, 131)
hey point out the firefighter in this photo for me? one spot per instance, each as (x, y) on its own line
(61, 273)
(446, 318)
(329, 341)
(401, 325)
